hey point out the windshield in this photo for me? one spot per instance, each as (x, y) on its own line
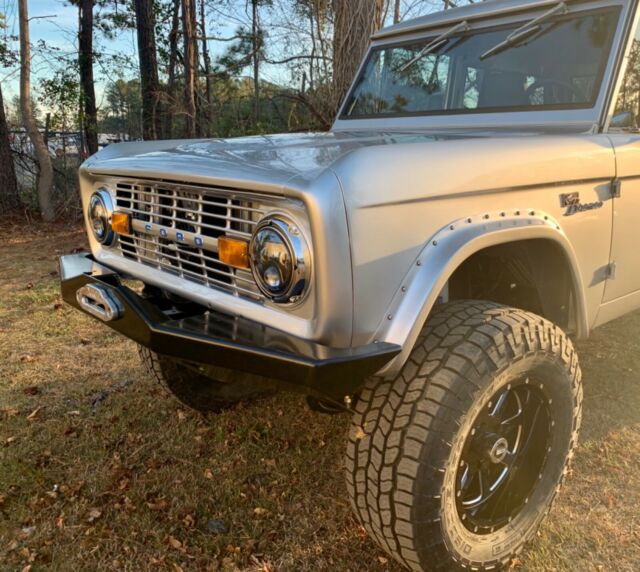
(560, 66)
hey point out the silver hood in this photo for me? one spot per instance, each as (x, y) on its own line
(259, 162)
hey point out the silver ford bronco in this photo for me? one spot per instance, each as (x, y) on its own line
(424, 265)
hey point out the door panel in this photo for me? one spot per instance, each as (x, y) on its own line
(625, 247)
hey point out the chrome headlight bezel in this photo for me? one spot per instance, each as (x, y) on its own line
(299, 274)
(101, 199)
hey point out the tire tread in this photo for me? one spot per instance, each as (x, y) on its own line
(461, 343)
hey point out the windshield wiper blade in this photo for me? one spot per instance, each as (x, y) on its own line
(526, 30)
(438, 42)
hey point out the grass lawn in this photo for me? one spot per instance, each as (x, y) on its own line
(100, 470)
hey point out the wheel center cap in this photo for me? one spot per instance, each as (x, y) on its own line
(499, 450)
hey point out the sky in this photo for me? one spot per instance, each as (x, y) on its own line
(56, 23)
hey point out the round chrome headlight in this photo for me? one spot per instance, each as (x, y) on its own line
(279, 259)
(99, 213)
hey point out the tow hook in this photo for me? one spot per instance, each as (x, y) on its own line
(100, 302)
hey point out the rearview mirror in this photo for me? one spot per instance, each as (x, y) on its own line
(624, 120)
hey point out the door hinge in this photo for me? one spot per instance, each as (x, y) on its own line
(610, 271)
(616, 188)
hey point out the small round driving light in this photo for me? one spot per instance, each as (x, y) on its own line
(279, 259)
(99, 213)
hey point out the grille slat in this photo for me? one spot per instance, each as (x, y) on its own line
(202, 278)
(174, 219)
(182, 209)
(139, 240)
(176, 229)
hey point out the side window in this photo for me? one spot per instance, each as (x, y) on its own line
(627, 112)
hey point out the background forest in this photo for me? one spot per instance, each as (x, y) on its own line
(200, 68)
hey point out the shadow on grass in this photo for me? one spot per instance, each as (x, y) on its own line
(610, 361)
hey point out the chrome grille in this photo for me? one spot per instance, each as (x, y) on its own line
(175, 228)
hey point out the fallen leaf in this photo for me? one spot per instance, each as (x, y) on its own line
(10, 412)
(27, 358)
(158, 504)
(175, 543)
(360, 434)
(70, 432)
(34, 414)
(57, 305)
(189, 521)
(208, 474)
(29, 286)
(31, 390)
(94, 514)
(260, 511)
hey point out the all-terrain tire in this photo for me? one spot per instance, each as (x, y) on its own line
(200, 392)
(409, 436)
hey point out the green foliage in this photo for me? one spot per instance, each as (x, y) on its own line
(242, 51)
(122, 113)
(239, 54)
(8, 57)
(60, 95)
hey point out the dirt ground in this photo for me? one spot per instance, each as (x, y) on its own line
(100, 470)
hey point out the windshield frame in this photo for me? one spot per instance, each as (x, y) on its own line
(579, 116)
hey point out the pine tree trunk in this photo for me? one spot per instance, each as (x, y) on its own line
(145, 25)
(207, 71)
(190, 66)
(255, 32)
(9, 199)
(355, 22)
(45, 176)
(171, 72)
(85, 62)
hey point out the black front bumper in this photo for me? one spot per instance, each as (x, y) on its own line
(217, 339)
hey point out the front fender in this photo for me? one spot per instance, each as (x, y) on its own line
(445, 252)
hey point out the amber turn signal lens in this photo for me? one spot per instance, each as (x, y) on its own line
(121, 223)
(233, 251)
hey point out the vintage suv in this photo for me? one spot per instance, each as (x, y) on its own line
(422, 265)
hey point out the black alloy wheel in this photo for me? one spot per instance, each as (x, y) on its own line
(503, 457)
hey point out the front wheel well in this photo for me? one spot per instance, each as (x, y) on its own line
(533, 275)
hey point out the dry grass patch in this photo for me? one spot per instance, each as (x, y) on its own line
(99, 470)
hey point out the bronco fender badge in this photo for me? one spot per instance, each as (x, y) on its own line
(571, 201)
